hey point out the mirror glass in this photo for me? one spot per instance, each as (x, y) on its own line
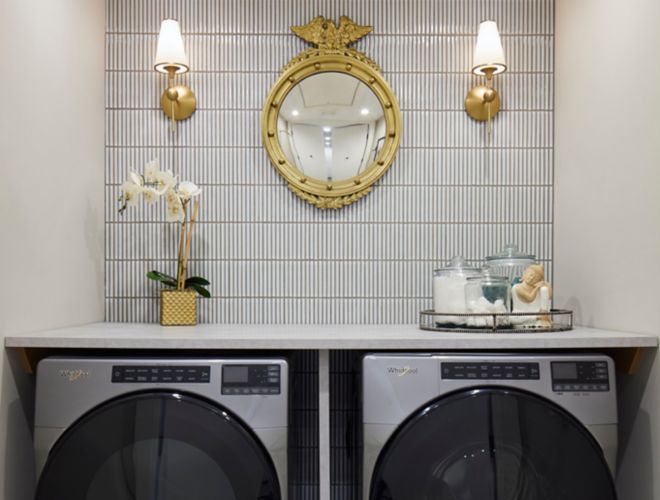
(331, 126)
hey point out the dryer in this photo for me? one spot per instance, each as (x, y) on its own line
(489, 427)
(171, 429)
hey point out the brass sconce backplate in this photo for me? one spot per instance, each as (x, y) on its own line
(183, 104)
(477, 105)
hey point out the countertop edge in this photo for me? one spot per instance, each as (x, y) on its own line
(352, 337)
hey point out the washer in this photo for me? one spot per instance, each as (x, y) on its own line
(489, 427)
(171, 429)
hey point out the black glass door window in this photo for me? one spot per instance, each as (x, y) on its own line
(492, 444)
(158, 446)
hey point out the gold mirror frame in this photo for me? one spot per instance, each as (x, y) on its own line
(331, 55)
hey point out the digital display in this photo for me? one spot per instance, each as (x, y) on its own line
(565, 371)
(235, 374)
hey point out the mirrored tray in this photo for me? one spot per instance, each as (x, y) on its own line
(557, 320)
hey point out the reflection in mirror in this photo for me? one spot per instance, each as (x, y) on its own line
(331, 126)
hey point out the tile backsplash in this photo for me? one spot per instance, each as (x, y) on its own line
(271, 257)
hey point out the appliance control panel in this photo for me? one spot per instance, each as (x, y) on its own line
(248, 380)
(580, 376)
(157, 374)
(490, 371)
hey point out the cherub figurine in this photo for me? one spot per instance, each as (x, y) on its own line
(532, 295)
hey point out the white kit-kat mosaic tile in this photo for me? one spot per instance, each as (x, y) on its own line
(275, 259)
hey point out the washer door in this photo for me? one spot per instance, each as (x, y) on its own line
(158, 446)
(492, 444)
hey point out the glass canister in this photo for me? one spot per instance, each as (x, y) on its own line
(449, 288)
(511, 263)
(488, 293)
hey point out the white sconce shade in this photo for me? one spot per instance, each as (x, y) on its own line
(170, 52)
(488, 53)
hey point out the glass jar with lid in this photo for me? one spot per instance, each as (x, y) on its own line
(487, 293)
(449, 289)
(510, 262)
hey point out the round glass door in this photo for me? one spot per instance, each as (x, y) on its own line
(158, 446)
(492, 444)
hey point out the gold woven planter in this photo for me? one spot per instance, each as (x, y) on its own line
(178, 307)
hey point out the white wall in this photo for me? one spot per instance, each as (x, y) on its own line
(51, 206)
(607, 198)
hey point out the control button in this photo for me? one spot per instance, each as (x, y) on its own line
(154, 378)
(508, 375)
(179, 378)
(471, 375)
(166, 379)
(273, 380)
(484, 374)
(603, 387)
(129, 379)
(274, 390)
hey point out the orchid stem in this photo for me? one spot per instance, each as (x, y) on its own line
(182, 237)
(193, 217)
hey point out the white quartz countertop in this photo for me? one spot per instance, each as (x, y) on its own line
(215, 336)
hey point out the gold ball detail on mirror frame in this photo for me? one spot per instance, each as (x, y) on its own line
(357, 182)
(274, 104)
(329, 187)
(392, 134)
(281, 161)
(303, 179)
(349, 67)
(317, 66)
(271, 133)
(381, 162)
(292, 79)
(372, 80)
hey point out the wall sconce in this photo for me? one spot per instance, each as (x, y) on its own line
(483, 102)
(178, 101)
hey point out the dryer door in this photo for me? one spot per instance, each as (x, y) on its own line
(158, 446)
(491, 444)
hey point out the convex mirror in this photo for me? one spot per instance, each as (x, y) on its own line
(331, 124)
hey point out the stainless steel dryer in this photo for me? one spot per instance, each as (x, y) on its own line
(489, 427)
(170, 429)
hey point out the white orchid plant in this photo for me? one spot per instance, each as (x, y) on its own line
(151, 186)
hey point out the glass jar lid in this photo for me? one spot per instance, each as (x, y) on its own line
(511, 256)
(487, 277)
(456, 267)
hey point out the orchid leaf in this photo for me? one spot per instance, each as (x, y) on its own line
(200, 290)
(163, 278)
(197, 280)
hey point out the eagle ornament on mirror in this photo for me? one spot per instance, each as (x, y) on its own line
(331, 125)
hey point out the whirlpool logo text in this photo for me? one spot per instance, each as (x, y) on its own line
(76, 374)
(401, 371)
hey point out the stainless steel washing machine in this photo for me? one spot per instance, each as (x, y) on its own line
(171, 429)
(489, 427)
